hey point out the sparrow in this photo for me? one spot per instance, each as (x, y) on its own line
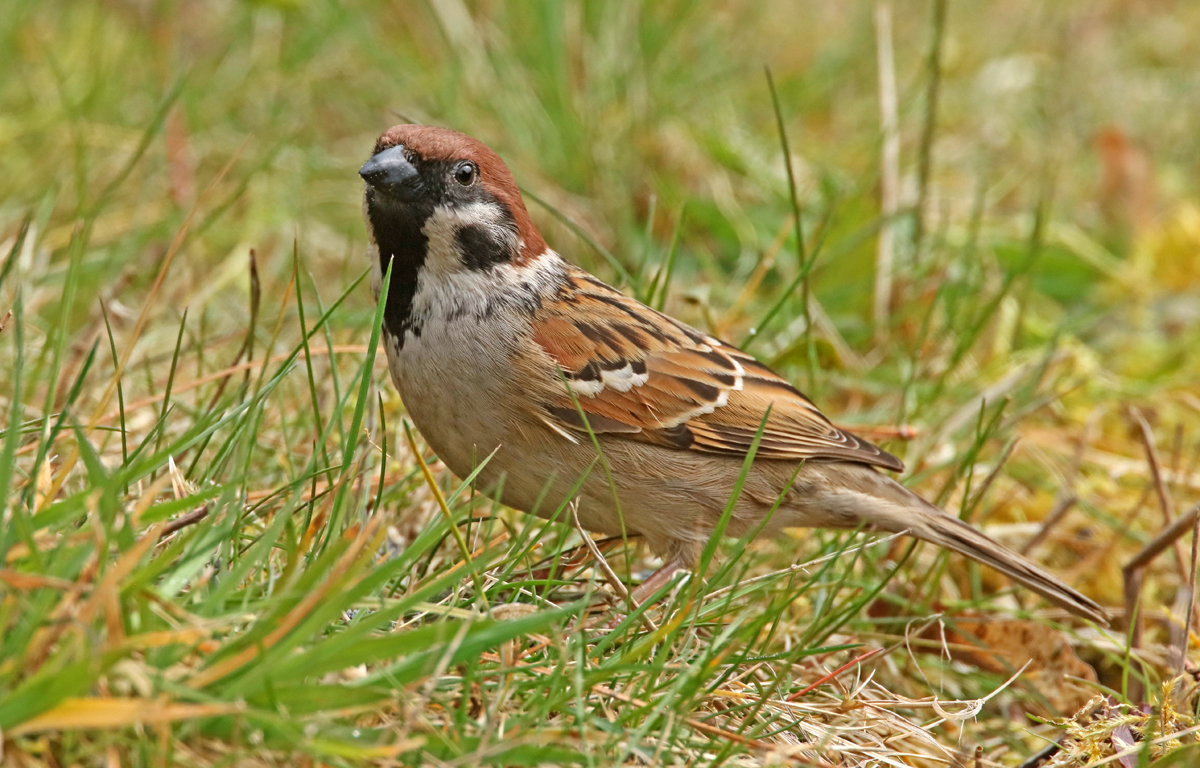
(565, 389)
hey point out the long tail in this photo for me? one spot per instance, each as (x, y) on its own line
(886, 505)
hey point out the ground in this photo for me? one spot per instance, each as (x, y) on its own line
(222, 545)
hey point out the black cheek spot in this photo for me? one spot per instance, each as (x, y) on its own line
(481, 250)
(398, 235)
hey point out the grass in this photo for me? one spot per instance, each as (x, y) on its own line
(221, 544)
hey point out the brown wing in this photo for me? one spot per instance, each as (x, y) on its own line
(641, 374)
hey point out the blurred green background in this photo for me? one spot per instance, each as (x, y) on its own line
(607, 111)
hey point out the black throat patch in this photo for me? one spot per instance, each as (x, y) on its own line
(397, 230)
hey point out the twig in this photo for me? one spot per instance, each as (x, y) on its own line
(1169, 535)
(1164, 494)
(247, 348)
(1191, 601)
(1133, 569)
(1185, 608)
(1192, 619)
(853, 662)
(606, 569)
(184, 521)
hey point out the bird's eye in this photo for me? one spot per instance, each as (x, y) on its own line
(465, 173)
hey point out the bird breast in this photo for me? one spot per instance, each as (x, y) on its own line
(457, 367)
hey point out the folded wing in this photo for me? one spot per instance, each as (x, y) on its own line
(639, 374)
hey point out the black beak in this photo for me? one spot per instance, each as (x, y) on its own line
(391, 173)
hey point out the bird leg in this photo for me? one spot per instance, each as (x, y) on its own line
(646, 590)
(657, 580)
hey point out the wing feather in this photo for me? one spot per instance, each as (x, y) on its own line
(640, 375)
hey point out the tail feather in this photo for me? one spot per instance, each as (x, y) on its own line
(889, 506)
(952, 533)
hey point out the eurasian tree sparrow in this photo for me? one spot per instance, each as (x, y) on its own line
(497, 344)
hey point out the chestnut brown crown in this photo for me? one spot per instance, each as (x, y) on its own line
(433, 145)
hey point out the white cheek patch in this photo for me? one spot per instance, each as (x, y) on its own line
(461, 292)
(443, 254)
